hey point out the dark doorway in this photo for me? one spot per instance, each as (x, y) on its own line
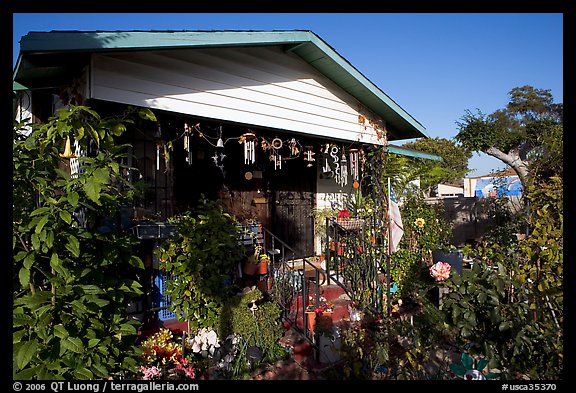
(293, 199)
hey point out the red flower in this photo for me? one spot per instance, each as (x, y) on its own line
(343, 214)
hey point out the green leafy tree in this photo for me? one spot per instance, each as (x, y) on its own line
(454, 164)
(528, 129)
(200, 259)
(72, 277)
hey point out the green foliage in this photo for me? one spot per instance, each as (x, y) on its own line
(405, 266)
(380, 349)
(71, 282)
(524, 135)
(454, 164)
(258, 322)
(425, 228)
(201, 257)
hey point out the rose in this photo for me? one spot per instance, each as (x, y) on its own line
(440, 271)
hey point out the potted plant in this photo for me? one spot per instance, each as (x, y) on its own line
(318, 312)
(257, 262)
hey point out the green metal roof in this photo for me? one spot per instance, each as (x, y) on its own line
(51, 55)
(411, 153)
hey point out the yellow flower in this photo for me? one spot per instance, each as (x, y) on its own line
(420, 222)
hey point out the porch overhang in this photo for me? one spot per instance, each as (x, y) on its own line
(48, 57)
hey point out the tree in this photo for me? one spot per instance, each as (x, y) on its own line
(454, 164)
(518, 135)
(73, 271)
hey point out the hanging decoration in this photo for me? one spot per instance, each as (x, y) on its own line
(343, 169)
(309, 156)
(326, 169)
(335, 159)
(219, 155)
(354, 165)
(187, 143)
(294, 150)
(275, 155)
(278, 150)
(249, 141)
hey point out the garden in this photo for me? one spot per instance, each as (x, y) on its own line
(501, 318)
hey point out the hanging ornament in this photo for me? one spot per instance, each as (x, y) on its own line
(277, 144)
(294, 151)
(265, 144)
(219, 155)
(354, 164)
(157, 156)
(249, 141)
(187, 143)
(277, 161)
(334, 155)
(309, 156)
(343, 170)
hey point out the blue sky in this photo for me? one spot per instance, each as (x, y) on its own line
(434, 65)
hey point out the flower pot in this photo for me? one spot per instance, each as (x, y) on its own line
(340, 248)
(250, 268)
(264, 284)
(324, 321)
(262, 267)
(311, 322)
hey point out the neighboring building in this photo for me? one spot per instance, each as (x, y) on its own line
(505, 183)
(449, 191)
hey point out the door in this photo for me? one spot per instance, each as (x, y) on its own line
(294, 200)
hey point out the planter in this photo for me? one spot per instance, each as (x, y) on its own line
(262, 267)
(330, 347)
(264, 284)
(250, 268)
(324, 321)
(340, 248)
(453, 258)
(310, 322)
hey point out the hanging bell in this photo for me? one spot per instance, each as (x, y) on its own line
(67, 150)
(220, 143)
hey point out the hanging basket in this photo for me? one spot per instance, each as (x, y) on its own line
(354, 224)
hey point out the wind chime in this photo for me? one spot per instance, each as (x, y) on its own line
(309, 156)
(354, 162)
(343, 169)
(335, 159)
(275, 153)
(187, 143)
(249, 141)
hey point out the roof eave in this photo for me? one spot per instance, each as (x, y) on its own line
(303, 43)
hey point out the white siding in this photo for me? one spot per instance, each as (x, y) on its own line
(262, 86)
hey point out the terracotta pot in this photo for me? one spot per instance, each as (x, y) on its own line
(311, 321)
(325, 320)
(265, 285)
(262, 267)
(340, 248)
(250, 268)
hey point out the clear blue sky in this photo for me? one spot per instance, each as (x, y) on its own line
(434, 65)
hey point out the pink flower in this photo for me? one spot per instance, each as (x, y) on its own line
(440, 271)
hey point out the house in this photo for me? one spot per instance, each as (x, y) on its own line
(277, 120)
(503, 183)
(273, 123)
